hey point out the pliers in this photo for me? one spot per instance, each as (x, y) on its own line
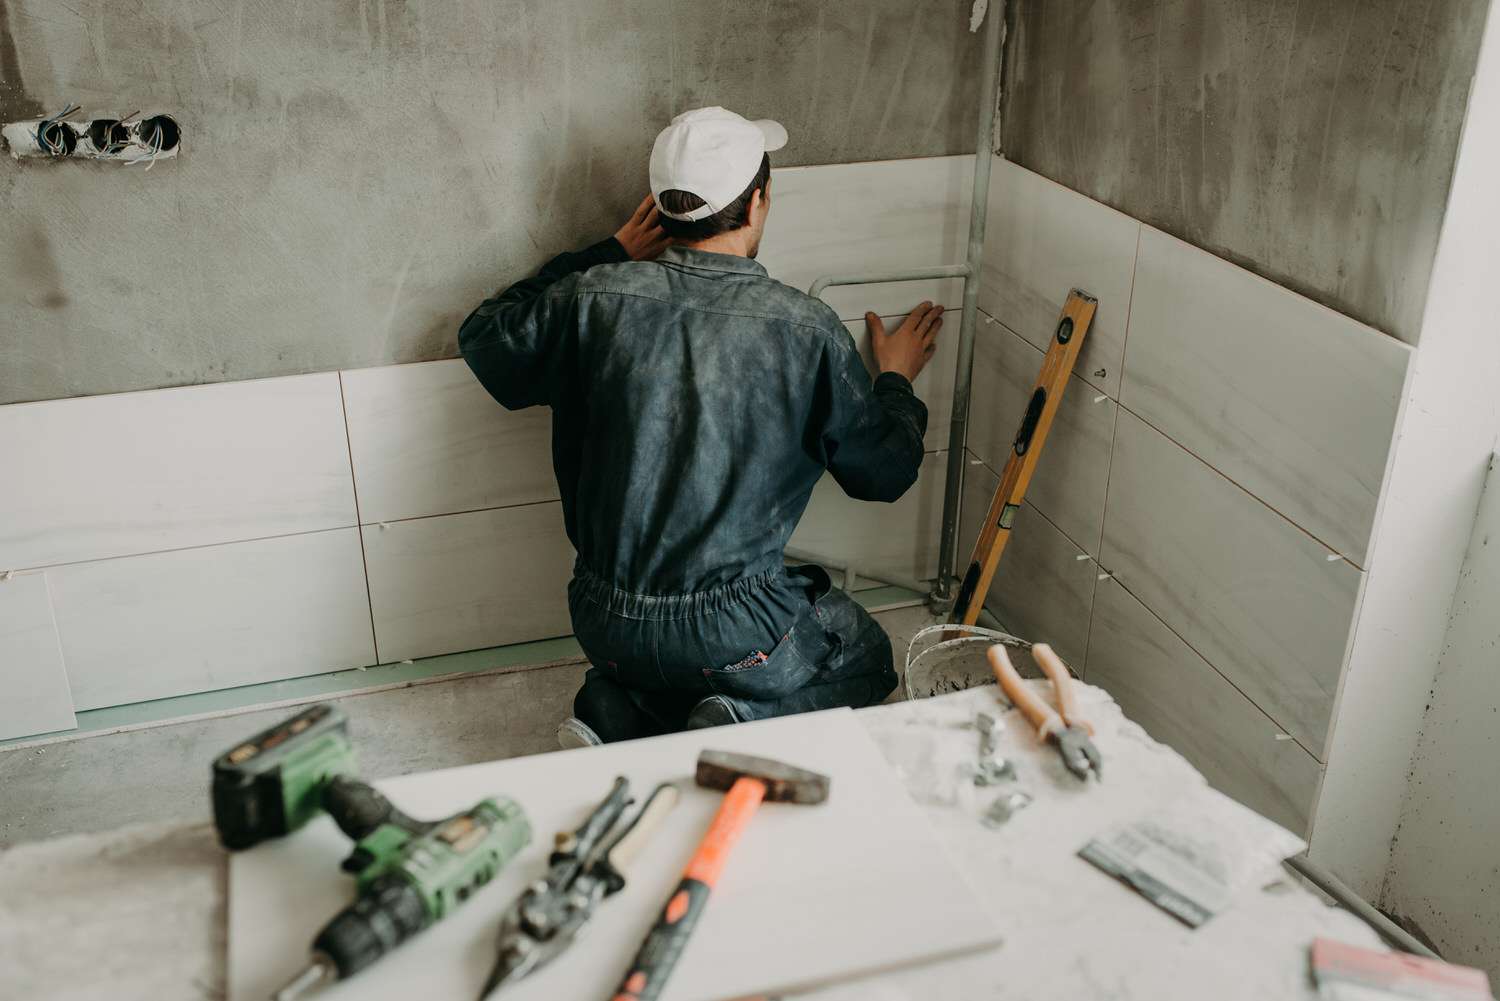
(1063, 725)
(551, 913)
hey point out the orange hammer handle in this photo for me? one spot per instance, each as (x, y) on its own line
(663, 946)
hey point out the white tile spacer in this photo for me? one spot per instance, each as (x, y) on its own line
(1105, 576)
(1284, 736)
(1333, 557)
(1101, 397)
(406, 661)
(1081, 557)
(976, 462)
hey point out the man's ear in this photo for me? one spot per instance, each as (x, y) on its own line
(760, 202)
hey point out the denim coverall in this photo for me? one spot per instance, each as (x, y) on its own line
(695, 403)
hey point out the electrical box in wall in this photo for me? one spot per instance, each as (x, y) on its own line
(136, 139)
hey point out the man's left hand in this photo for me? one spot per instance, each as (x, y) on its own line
(642, 236)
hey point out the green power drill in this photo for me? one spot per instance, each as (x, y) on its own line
(409, 874)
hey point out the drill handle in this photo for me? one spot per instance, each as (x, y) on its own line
(359, 809)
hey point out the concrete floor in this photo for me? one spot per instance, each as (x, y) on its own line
(161, 773)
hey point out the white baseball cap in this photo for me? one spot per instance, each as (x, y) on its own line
(711, 153)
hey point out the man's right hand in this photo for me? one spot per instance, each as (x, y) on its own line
(906, 349)
(641, 236)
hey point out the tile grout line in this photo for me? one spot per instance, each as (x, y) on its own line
(1228, 680)
(364, 558)
(1241, 487)
(1114, 431)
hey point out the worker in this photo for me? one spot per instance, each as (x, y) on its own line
(695, 403)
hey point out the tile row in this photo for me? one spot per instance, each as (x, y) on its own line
(1293, 401)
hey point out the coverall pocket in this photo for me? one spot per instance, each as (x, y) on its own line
(791, 666)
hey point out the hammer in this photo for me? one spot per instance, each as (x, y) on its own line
(750, 781)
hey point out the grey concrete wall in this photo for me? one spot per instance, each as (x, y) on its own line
(1310, 142)
(357, 174)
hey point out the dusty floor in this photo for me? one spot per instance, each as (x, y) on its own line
(161, 773)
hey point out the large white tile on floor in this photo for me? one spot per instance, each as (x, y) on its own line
(899, 538)
(427, 439)
(1042, 590)
(1293, 401)
(1072, 473)
(877, 216)
(103, 476)
(468, 581)
(34, 693)
(934, 384)
(1178, 698)
(1043, 240)
(1249, 591)
(164, 624)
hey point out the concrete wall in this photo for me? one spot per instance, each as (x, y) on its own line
(1445, 873)
(1310, 142)
(357, 174)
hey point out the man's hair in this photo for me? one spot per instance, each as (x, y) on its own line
(730, 217)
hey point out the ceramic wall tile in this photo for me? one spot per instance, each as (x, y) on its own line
(1044, 586)
(934, 384)
(144, 472)
(468, 581)
(34, 693)
(427, 439)
(899, 538)
(1043, 240)
(193, 620)
(1178, 698)
(1072, 472)
(879, 216)
(1291, 400)
(1253, 594)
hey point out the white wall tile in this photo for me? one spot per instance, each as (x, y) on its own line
(34, 693)
(877, 216)
(1248, 590)
(1291, 400)
(1178, 698)
(1072, 473)
(427, 439)
(105, 476)
(899, 538)
(163, 624)
(934, 385)
(469, 581)
(1042, 591)
(1043, 240)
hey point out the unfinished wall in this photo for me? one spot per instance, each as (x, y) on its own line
(1311, 143)
(357, 174)
(196, 539)
(1443, 872)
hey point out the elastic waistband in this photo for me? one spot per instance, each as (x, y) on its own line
(589, 585)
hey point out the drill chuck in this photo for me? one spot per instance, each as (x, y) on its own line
(389, 912)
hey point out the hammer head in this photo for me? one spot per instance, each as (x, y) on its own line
(784, 783)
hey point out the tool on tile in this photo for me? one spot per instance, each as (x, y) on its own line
(1063, 726)
(409, 874)
(1057, 366)
(550, 914)
(749, 781)
(1006, 805)
(993, 768)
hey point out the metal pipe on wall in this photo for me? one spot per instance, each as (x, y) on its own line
(958, 434)
(941, 597)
